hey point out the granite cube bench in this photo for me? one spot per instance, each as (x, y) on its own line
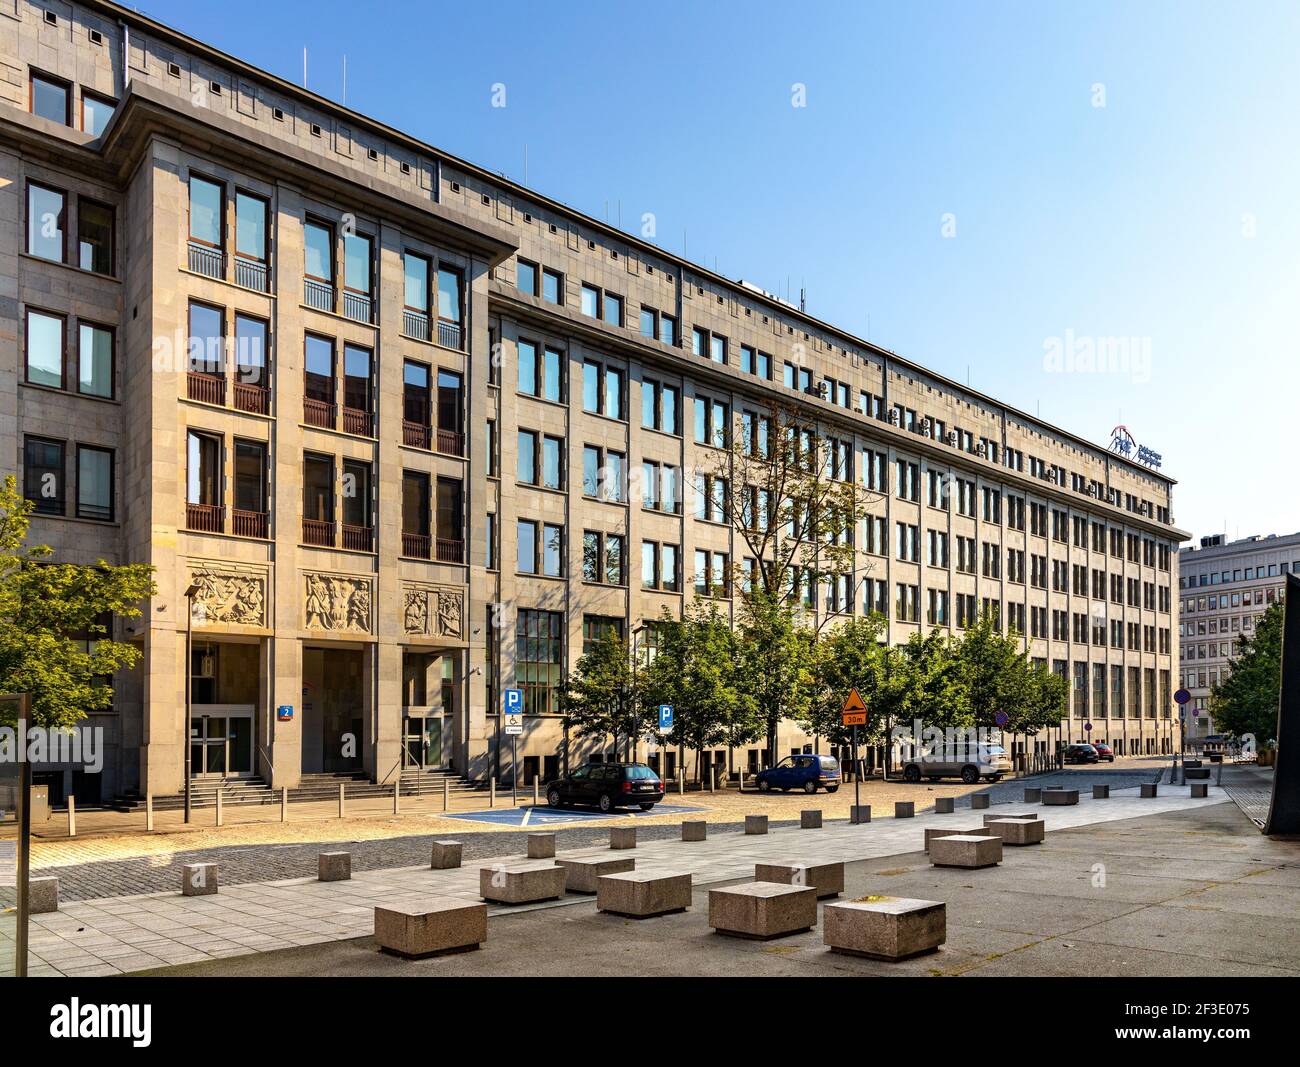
(885, 928)
(1059, 797)
(1200, 790)
(444, 856)
(1101, 792)
(826, 878)
(810, 819)
(198, 879)
(1147, 790)
(1196, 773)
(584, 870)
(622, 837)
(755, 824)
(859, 814)
(943, 806)
(334, 866)
(541, 846)
(694, 830)
(521, 883)
(430, 927)
(931, 832)
(762, 910)
(979, 800)
(641, 894)
(997, 818)
(966, 850)
(904, 809)
(1033, 796)
(1019, 831)
(42, 895)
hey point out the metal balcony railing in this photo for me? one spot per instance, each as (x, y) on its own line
(252, 398)
(208, 388)
(205, 518)
(450, 551)
(415, 324)
(450, 334)
(358, 538)
(248, 523)
(415, 434)
(318, 295)
(206, 260)
(251, 274)
(451, 443)
(358, 422)
(318, 532)
(357, 306)
(318, 413)
(415, 545)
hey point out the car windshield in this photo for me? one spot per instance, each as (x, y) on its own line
(996, 750)
(830, 763)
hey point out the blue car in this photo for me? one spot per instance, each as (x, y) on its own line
(808, 773)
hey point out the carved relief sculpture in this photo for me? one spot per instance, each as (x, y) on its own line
(229, 597)
(336, 603)
(431, 612)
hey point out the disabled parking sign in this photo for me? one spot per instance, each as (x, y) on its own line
(513, 708)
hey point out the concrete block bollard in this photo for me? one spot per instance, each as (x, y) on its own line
(198, 879)
(943, 806)
(810, 819)
(1101, 792)
(334, 867)
(541, 846)
(859, 814)
(694, 830)
(1200, 790)
(42, 895)
(755, 824)
(1033, 796)
(1147, 790)
(979, 800)
(622, 837)
(445, 855)
(904, 809)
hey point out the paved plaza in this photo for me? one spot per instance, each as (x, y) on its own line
(133, 932)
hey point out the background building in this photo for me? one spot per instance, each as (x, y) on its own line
(388, 425)
(1224, 590)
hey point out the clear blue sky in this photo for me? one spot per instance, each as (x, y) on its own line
(1165, 218)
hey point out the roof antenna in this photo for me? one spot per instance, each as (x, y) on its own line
(345, 80)
(304, 66)
(525, 164)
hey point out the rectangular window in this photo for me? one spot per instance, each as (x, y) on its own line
(357, 519)
(251, 355)
(318, 369)
(649, 323)
(449, 519)
(357, 253)
(46, 222)
(539, 659)
(415, 293)
(45, 334)
(250, 481)
(51, 98)
(94, 236)
(203, 476)
(415, 514)
(450, 300)
(613, 309)
(526, 277)
(358, 389)
(207, 212)
(590, 301)
(526, 464)
(94, 360)
(318, 252)
(552, 286)
(251, 214)
(43, 473)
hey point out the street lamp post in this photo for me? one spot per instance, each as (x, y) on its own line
(190, 593)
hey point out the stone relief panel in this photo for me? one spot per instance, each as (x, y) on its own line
(228, 595)
(337, 603)
(433, 611)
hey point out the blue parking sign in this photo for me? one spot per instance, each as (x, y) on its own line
(665, 718)
(514, 701)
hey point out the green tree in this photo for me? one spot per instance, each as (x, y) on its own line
(776, 661)
(997, 676)
(847, 657)
(1246, 701)
(53, 640)
(599, 697)
(934, 682)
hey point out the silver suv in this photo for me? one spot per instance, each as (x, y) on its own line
(970, 763)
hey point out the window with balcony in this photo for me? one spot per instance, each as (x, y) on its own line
(95, 483)
(95, 112)
(94, 360)
(417, 408)
(251, 247)
(358, 390)
(44, 342)
(451, 307)
(94, 236)
(203, 507)
(207, 354)
(51, 98)
(249, 513)
(207, 227)
(358, 518)
(43, 475)
(318, 265)
(451, 414)
(318, 500)
(358, 252)
(318, 381)
(415, 309)
(252, 372)
(415, 515)
(450, 521)
(46, 222)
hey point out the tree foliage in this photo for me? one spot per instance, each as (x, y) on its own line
(1246, 701)
(54, 643)
(599, 697)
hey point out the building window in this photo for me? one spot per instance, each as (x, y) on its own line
(46, 222)
(358, 253)
(602, 558)
(712, 573)
(712, 423)
(203, 483)
(490, 542)
(590, 301)
(540, 548)
(207, 212)
(659, 403)
(450, 306)
(43, 470)
(357, 494)
(415, 515)
(526, 277)
(604, 474)
(318, 499)
(95, 112)
(318, 253)
(251, 248)
(539, 659)
(94, 236)
(595, 628)
(552, 286)
(94, 360)
(51, 98)
(318, 380)
(602, 390)
(659, 569)
(540, 371)
(44, 340)
(358, 390)
(415, 311)
(249, 517)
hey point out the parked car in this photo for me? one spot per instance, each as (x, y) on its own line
(1080, 754)
(1104, 751)
(607, 786)
(806, 772)
(970, 763)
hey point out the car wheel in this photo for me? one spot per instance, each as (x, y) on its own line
(606, 802)
(646, 807)
(810, 787)
(553, 799)
(831, 788)
(764, 786)
(970, 775)
(911, 773)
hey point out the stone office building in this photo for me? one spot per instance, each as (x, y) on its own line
(1224, 588)
(374, 413)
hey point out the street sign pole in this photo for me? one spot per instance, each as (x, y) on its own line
(514, 773)
(857, 773)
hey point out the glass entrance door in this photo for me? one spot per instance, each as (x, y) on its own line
(221, 745)
(422, 742)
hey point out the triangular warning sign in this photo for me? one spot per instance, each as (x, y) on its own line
(853, 702)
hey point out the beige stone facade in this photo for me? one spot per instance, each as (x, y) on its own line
(349, 539)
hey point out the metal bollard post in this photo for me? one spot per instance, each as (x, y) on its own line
(681, 781)
(446, 793)
(397, 796)
(342, 801)
(284, 803)
(713, 778)
(148, 811)
(72, 815)
(537, 791)
(492, 791)
(221, 818)
(742, 781)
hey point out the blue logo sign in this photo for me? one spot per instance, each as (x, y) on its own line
(1123, 443)
(514, 701)
(665, 717)
(284, 713)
